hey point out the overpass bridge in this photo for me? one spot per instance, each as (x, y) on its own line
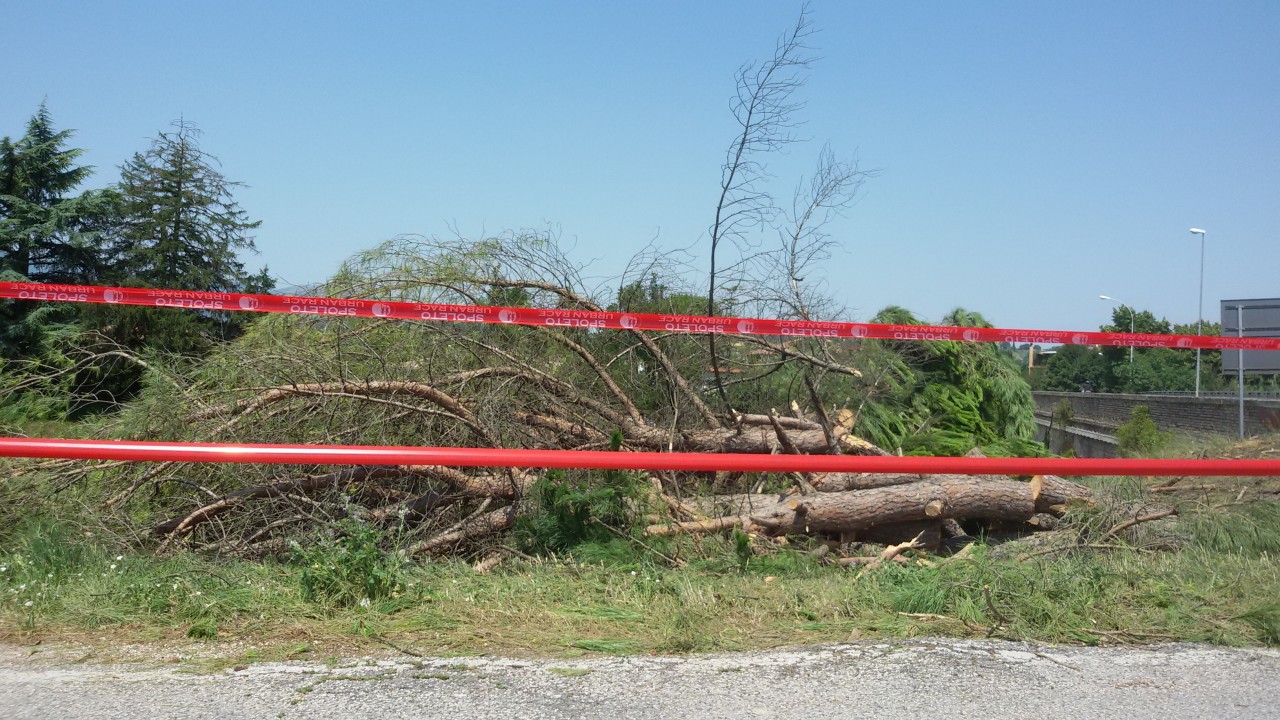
(1096, 416)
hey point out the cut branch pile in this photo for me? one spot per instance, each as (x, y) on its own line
(299, 379)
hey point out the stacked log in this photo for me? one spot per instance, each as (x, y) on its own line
(891, 508)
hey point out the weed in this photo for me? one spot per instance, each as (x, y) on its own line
(583, 513)
(203, 630)
(569, 672)
(603, 613)
(350, 569)
(1266, 620)
(1249, 530)
(612, 646)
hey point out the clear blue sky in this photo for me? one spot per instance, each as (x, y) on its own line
(1034, 155)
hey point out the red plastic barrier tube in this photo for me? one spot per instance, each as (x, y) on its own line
(488, 457)
(602, 320)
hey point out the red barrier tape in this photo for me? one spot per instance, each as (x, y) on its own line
(486, 457)
(588, 319)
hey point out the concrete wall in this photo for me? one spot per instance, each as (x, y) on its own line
(1081, 443)
(1106, 412)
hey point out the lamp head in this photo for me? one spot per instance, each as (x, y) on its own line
(1197, 231)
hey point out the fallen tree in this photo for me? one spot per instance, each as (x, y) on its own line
(336, 380)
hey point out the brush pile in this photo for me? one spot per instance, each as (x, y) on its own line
(336, 380)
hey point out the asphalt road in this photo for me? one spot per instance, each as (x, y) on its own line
(923, 678)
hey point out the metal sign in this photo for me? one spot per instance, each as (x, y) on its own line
(1258, 318)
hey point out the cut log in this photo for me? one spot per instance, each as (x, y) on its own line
(861, 509)
(1043, 521)
(1053, 494)
(840, 482)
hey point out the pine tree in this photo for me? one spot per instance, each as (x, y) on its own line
(182, 226)
(45, 235)
(181, 229)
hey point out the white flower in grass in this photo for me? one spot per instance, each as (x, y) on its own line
(27, 604)
(113, 566)
(119, 558)
(364, 602)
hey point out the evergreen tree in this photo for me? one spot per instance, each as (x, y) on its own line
(182, 225)
(181, 229)
(45, 235)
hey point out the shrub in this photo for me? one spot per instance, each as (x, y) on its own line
(349, 568)
(567, 511)
(1140, 436)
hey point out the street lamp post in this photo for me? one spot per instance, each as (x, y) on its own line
(1200, 318)
(1131, 314)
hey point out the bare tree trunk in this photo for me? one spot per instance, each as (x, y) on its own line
(856, 510)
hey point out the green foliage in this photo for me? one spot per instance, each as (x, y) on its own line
(182, 219)
(1251, 530)
(1071, 368)
(171, 221)
(1155, 369)
(742, 548)
(1015, 447)
(350, 567)
(45, 234)
(656, 297)
(1117, 370)
(578, 512)
(948, 397)
(181, 225)
(1265, 619)
(1139, 435)
(203, 630)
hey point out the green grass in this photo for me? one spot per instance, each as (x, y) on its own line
(1220, 589)
(1218, 586)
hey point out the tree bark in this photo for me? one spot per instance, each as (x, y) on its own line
(1053, 494)
(855, 510)
(491, 522)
